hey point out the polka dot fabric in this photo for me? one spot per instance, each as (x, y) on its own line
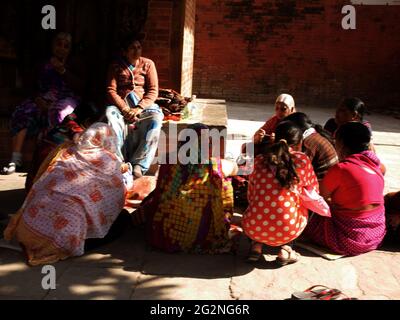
(274, 215)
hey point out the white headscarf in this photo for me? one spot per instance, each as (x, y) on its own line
(286, 99)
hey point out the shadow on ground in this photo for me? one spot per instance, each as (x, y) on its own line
(11, 201)
(124, 269)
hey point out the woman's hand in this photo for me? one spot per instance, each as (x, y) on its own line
(132, 114)
(259, 135)
(269, 138)
(124, 167)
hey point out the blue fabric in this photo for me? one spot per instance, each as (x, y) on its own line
(137, 143)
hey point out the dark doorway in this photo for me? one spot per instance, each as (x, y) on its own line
(95, 25)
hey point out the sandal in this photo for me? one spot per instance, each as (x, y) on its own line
(254, 255)
(319, 292)
(292, 258)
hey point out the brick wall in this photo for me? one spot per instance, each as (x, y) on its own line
(252, 50)
(159, 36)
(170, 42)
(188, 48)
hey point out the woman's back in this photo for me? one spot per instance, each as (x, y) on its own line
(356, 182)
(190, 209)
(355, 187)
(274, 215)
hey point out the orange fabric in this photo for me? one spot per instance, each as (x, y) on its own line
(72, 199)
(144, 83)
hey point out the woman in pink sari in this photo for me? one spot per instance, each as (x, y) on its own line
(78, 197)
(355, 189)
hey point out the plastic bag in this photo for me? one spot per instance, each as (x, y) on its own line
(314, 202)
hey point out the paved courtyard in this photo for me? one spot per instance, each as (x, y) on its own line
(128, 269)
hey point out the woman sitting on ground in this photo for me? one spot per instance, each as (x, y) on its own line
(350, 109)
(191, 207)
(52, 102)
(317, 144)
(284, 106)
(275, 216)
(84, 115)
(354, 188)
(78, 196)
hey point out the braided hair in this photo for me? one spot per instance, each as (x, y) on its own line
(277, 157)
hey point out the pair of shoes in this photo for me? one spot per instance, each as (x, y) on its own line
(137, 171)
(319, 292)
(293, 257)
(9, 169)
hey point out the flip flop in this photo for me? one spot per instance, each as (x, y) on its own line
(290, 259)
(319, 292)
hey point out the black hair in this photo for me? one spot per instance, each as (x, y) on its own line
(289, 131)
(355, 105)
(87, 113)
(130, 38)
(354, 136)
(304, 123)
(278, 157)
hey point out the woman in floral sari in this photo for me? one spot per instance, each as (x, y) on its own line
(191, 207)
(78, 196)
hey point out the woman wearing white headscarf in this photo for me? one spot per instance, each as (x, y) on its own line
(284, 105)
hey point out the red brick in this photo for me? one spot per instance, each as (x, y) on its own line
(299, 46)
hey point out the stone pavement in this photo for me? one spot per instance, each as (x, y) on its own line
(128, 269)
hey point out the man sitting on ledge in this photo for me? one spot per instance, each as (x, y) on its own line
(132, 88)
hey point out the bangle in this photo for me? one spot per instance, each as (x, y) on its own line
(125, 110)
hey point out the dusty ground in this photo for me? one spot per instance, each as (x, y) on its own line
(128, 269)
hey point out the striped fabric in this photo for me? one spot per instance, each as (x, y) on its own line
(321, 153)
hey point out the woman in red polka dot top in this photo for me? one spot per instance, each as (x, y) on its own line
(275, 216)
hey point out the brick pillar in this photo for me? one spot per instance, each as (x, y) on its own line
(157, 45)
(188, 48)
(170, 42)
